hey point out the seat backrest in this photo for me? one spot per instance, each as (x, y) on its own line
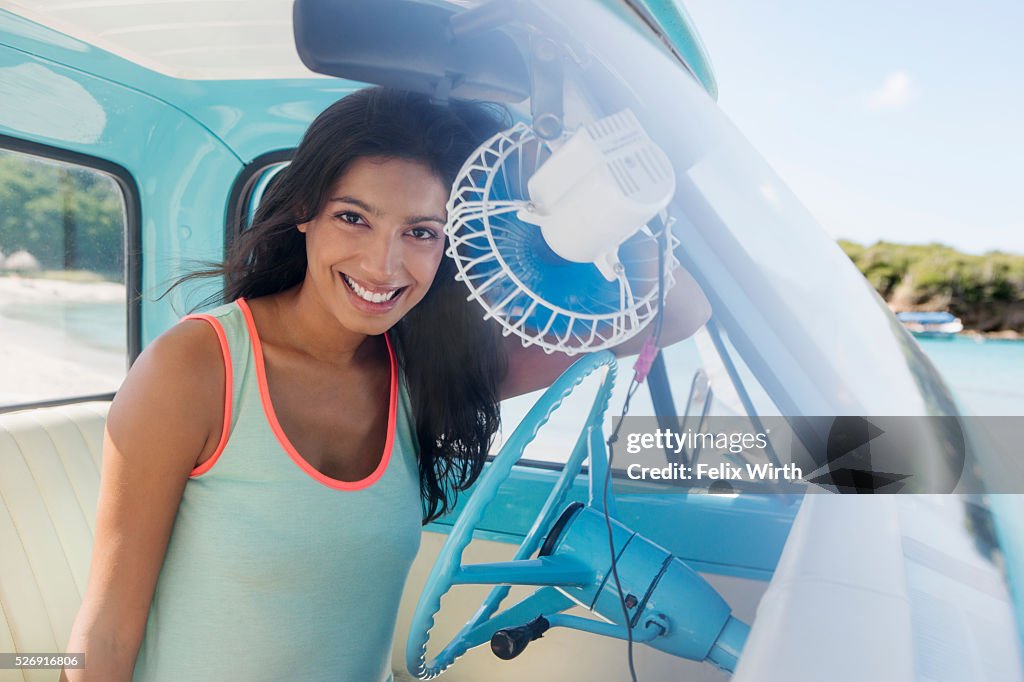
(49, 485)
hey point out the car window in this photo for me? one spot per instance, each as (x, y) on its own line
(250, 186)
(63, 311)
(261, 183)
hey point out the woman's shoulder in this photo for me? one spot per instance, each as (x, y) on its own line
(191, 346)
(179, 378)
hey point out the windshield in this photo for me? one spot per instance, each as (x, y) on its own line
(797, 311)
(795, 330)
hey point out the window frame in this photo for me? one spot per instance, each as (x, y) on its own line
(241, 191)
(132, 249)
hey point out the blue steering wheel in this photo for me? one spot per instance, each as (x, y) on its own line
(544, 571)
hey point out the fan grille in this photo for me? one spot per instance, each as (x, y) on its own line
(510, 270)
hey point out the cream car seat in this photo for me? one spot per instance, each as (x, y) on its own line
(49, 484)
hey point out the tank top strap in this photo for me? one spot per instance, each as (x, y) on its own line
(405, 431)
(229, 324)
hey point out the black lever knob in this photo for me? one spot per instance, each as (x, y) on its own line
(510, 642)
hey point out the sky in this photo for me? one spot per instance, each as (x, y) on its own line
(900, 120)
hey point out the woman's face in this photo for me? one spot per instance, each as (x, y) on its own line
(375, 246)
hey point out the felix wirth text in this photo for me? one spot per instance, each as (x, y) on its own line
(676, 442)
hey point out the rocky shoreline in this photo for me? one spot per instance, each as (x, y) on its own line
(985, 291)
(1005, 334)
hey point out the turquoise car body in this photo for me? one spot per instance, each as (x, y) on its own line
(215, 136)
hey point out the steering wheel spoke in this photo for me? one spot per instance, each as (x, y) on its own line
(540, 571)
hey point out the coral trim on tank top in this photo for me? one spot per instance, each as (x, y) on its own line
(225, 351)
(275, 425)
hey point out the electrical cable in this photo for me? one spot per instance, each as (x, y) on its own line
(642, 366)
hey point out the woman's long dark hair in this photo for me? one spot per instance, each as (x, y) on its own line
(451, 357)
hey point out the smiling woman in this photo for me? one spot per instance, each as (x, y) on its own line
(316, 356)
(381, 235)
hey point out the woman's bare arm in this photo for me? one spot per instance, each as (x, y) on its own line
(530, 369)
(166, 415)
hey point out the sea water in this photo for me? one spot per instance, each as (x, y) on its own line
(96, 325)
(985, 375)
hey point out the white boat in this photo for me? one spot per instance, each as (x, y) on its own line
(931, 324)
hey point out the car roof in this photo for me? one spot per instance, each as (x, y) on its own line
(188, 39)
(252, 39)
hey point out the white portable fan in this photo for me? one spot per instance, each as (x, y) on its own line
(562, 245)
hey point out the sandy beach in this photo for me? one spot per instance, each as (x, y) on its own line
(16, 289)
(52, 344)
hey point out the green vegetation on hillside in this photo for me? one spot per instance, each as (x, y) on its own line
(67, 217)
(986, 291)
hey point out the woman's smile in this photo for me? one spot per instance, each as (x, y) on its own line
(371, 299)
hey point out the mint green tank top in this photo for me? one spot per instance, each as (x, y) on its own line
(273, 570)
